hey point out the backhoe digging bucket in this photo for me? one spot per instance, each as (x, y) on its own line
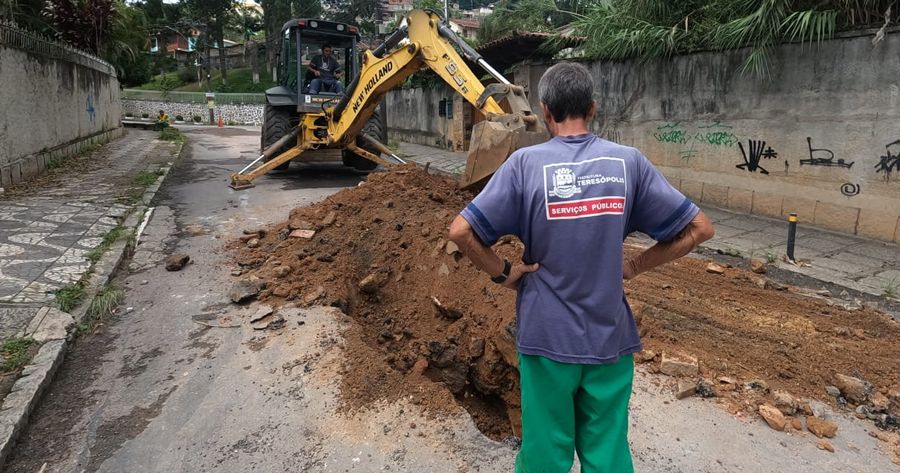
(491, 144)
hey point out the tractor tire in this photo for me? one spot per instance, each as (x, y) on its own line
(276, 124)
(376, 127)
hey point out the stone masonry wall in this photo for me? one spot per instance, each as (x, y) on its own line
(245, 114)
(820, 137)
(52, 108)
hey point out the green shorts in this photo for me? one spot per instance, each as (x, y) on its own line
(576, 408)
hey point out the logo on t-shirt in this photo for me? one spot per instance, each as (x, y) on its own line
(599, 184)
(564, 184)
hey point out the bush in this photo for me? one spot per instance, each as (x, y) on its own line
(171, 134)
(145, 115)
(128, 114)
(167, 84)
(187, 74)
(179, 118)
(198, 119)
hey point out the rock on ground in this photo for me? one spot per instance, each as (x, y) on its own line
(772, 416)
(675, 364)
(854, 389)
(176, 262)
(245, 290)
(821, 427)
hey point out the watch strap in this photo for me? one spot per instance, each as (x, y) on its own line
(504, 275)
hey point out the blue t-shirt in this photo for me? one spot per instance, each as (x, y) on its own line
(572, 201)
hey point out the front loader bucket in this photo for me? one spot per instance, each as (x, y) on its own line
(491, 144)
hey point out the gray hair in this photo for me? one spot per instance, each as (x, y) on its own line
(567, 90)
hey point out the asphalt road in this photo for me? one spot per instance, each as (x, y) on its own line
(153, 390)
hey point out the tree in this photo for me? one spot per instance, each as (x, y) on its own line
(127, 45)
(275, 14)
(85, 24)
(539, 16)
(214, 16)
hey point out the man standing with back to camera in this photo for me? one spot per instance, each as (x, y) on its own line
(572, 201)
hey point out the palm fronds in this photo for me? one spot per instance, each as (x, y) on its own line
(617, 29)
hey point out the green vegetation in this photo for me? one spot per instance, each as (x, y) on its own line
(891, 289)
(172, 134)
(15, 353)
(619, 29)
(111, 236)
(239, 81)
(102, 306)
(68, 297)
(771, 258)
(537, 16)
(145, 178)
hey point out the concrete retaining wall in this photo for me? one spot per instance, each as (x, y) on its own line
(247, 114)
(51, 108)
(820, 138)
(413, 115)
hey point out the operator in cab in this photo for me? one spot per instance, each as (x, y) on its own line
(327, 70)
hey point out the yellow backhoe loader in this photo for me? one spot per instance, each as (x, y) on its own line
(305, 126)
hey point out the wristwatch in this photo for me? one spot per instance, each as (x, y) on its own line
(504, 275)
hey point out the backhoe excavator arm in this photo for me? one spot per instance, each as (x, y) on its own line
(430, 44)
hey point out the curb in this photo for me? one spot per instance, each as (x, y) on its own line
(38, 374)
(435, 171)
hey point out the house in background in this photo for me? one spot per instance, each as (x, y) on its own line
(168, 41)
(466, 27)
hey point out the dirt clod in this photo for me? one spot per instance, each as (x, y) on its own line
(715, 268)
(176, 262)
(772, 416)
(678, 364)
(821, 427)
(757, 266)
(854, 389)
(825, 445)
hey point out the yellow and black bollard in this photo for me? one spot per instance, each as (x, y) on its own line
(792, 235)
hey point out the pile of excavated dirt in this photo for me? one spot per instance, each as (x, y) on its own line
(428, 326)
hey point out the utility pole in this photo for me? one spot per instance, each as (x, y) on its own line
(212, 116)
(446, 12)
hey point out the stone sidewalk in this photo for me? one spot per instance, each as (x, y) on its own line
(49, 226)
(867, 266)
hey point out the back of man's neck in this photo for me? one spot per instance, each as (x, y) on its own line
(570, 127)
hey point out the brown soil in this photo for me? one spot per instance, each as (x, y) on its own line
(429, 326)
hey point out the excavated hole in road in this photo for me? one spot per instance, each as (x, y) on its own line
(379, 252)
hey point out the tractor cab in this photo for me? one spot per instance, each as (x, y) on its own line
(303, 40)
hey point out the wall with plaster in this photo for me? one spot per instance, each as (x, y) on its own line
(820, 137)
(51, 108)
(414, 116)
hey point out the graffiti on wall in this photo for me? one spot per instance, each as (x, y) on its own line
(715, 134)
(849, 189)
(890, 161)
(671, 133)
(710, 134)
(758, 152)
(91, 111)
(823, 157)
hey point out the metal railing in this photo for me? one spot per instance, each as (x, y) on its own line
(15, 37)
(193, 97)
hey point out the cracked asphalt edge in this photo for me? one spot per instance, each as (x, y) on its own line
(38, 374)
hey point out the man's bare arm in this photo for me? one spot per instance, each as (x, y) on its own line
(482, 256)
(697, 231)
